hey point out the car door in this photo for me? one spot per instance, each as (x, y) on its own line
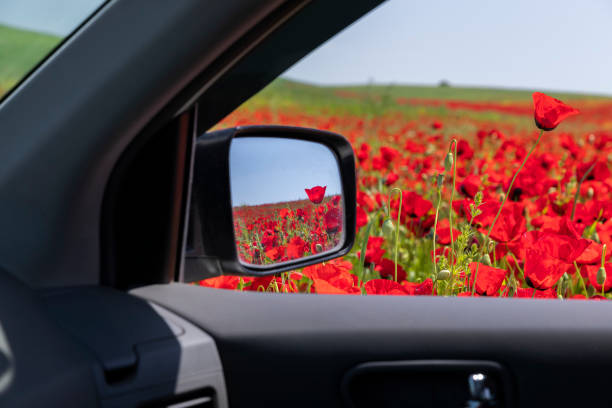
(95, 180)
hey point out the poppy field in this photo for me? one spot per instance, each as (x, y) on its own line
(461, 192)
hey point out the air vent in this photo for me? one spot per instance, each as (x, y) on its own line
(197, 399)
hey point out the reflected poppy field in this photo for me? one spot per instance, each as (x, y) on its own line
(507, 195)
(279, 232)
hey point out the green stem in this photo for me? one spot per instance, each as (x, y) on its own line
(580, 280)
(434, 231)
(510, 186)
(399, 214)
(450, 214)
(578, 189)
(486, 241)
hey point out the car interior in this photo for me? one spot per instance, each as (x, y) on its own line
(116, 197)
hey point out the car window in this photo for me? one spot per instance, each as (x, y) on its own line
(483, 139)
(31, 29)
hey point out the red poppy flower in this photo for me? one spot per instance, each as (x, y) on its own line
(419, 289)
(374, 252)
(386, 268)
(591, 272)
(488, 279)
(332, 278)
(443, 232)
(549, 112)
(436, 125)
(389, 154)
(464, 151)
(316, 194)
(470, 185)
(391, 178)
(223, 282)
(539, 294)
(384, 287)
(550, 257)
(361, 218)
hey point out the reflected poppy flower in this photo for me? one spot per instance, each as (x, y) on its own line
(549, 112)
(333, 220)
(316, 194)
(296, 248)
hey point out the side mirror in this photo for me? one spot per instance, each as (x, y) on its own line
(268, 199)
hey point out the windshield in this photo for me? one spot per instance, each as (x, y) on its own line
(31, 29)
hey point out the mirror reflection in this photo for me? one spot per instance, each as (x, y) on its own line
(286, 199)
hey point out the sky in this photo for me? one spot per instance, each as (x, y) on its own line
(558, 45)
(58, 17)
(554, 45)
(271, 170)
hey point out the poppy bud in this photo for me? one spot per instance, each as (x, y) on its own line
(590, 192)
(566, 276)
(485, 260)
(601, 275)
(440, 180)
(491, 246)
(444, 274)
(448, 161)
(591, 138)
(319, 247)
(388, 228)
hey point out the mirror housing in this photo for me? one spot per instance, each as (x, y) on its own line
(211, 242)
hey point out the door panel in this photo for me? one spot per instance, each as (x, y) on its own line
(298, 348)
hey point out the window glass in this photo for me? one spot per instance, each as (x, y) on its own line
(474, 179)
(31, 29)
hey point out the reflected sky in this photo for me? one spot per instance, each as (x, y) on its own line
(270, 170)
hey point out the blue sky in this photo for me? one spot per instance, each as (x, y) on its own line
(562, 45)
(271, 170)
(555, 45)
(57, 17)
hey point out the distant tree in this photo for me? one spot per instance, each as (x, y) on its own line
(444, 84)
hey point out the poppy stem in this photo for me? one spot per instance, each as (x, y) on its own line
(486, 241)
(510, 187)
(580, 280)
(450, 212)
(434, 231)
(399, 214)
(578, 188)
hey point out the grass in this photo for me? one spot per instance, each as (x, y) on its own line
(374, 100)
(20, 51)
